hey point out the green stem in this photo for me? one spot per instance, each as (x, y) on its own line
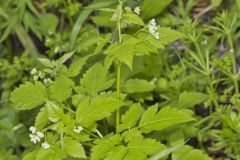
(119, 65)
(235, 81)
(212, 90)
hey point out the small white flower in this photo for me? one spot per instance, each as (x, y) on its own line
(32, 129)
(137, 10)
(152, 25)
(34, 138)
(33, 71)
(40, 134)
(77, 129)
(45, 145)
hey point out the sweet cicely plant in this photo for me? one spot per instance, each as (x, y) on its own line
(85, 109)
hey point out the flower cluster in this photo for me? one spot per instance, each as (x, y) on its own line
(137, 10)
(36, 135)
(45, 145)
(153, 28)
(40, 75)
(77, 129)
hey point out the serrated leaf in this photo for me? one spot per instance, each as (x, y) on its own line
(73, 148)
(137, 86)
(98, 108)
(190, 99)
(128, 135)
(43, 154)
(104, 145)
(137, 149)
(165, 118)
(61, 89)
(130, 118)
(132, 18)
(95, 80)
(187, 152)
(168, 35)
(117, 153)
(76, 66)
(124, 52)
(54, 112)
(41, 119)
(28, 96)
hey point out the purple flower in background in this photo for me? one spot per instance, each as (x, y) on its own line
(238, 67)
(222, 48)
(179, 46)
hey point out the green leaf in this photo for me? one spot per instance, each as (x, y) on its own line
(165, 118)
(130, 46)
(129, 135)
(73, 148)
(45, 62)
(137, 149)
(95, 80)
(130, 118)
(166, 152)
(98, 108)
(117, 153)
(54, 112)
(152, 8)
(29, 96)
(104, 145)
(187, 152)
(190, 99)
(41, 119)
(132, 18)
(61, 89)
(76, 66)
(63, 58)
(43, 154)
(168, 35)
(137, 86)
(47, 23)
(83, 16)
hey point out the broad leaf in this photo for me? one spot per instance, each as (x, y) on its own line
(98, 108)
(165, 118)
(104, 145)
(190, 99)
(95, 80)
(130, 118)
(61, 89)
(29, 96)
(41, 119)
(54, 112)
(137, 86)
(187, 152)
(73, 148)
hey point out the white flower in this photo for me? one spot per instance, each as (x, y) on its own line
(45, 145)
(36, 135)
(47, 80)
(33, 71)
(77, 129)
(41, 74)
(137, 10)
(34, 138)
(152, 25)
(32, 129)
